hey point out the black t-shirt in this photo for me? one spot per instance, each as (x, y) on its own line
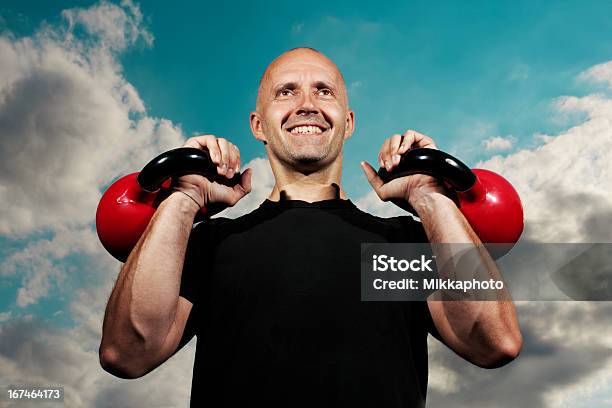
(278, 315)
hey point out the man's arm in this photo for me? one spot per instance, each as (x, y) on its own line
(145, 316)
(485, 333)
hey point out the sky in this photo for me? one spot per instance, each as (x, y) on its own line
(90, 91)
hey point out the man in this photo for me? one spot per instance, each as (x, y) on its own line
(274, 296)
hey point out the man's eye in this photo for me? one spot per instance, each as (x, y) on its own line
(325, 92)
(285, 92)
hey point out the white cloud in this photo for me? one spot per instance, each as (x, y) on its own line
(469, 138)
(115, 27)
(598, 73)
(565, 358)
(34, 353)
(64, 99)
(563, 183)
(498, 143)
(41, 263)
(70, 121)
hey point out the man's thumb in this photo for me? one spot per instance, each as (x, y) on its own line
(371, 175)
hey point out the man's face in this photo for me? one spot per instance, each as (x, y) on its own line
(302, 110)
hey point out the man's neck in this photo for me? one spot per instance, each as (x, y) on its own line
(315, 185)
(309, 192)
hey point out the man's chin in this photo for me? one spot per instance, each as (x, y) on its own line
(308, 158)
(305, 161)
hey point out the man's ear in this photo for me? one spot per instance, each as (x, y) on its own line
(349, 126)
(256, 127)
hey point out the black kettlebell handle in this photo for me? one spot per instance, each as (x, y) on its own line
(179, 162)
(434, 163)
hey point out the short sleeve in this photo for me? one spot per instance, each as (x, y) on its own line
(193, 267)
(192, 277)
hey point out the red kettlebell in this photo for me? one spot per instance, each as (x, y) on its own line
(128, 205)
(487, 200)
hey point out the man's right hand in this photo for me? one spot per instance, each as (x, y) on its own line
(212, 195)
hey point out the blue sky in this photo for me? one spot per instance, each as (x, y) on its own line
(467, 74)
(457, 71)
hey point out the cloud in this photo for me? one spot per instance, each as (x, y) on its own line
(70, 121)
(114, 27)
(498, 143)
(598, 73)
(470, 137)
(562, 182)
(32, 352)
(41, 264)
(562, 353)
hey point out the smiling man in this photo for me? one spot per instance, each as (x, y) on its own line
(306, 140)
(274, 295)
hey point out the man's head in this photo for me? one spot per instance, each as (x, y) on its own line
(302, 111)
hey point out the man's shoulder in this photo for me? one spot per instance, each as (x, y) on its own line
(228, 220)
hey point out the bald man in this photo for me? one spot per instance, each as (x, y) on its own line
(274, 295)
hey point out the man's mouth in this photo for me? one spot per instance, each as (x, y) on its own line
(306, 129)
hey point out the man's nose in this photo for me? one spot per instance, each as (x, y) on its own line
(307, 104)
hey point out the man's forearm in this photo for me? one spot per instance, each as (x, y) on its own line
(143, 304)
(477, 328)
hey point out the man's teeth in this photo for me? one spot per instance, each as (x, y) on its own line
(306, 129)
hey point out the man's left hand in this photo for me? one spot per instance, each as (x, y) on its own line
(410, 188)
